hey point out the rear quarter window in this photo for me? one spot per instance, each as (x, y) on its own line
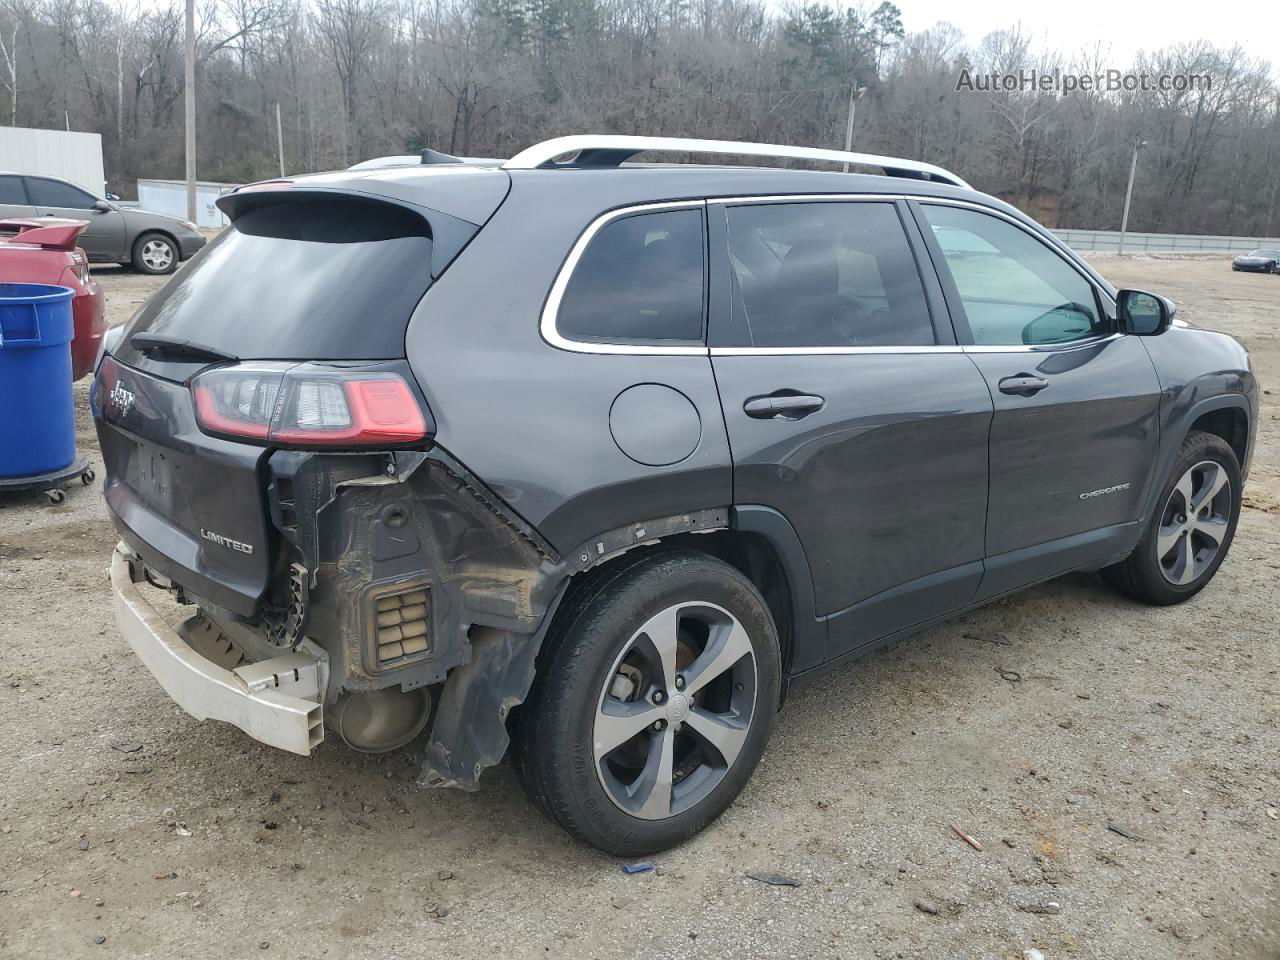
(641, 279)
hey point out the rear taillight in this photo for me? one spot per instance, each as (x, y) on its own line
(307, 406)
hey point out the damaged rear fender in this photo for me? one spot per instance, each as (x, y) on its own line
(369, 529)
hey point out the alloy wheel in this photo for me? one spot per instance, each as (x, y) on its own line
(1194, 522)
(675, 710)
(157, 255)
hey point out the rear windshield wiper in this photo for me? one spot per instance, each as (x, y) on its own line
(177, 347)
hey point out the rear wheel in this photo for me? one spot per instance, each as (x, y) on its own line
(1188, 536)
(155, 253)
(655, 696)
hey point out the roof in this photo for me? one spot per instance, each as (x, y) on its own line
(599, 172)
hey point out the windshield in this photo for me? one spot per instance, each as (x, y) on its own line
(1264, 253)
(298, 279)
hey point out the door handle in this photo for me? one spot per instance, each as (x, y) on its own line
(1023, 385)
(782, 406)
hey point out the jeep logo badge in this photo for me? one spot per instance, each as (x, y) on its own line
(122, 399)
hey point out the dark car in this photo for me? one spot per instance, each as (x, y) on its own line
(602, 458)
(149, 242)
(1263, 260)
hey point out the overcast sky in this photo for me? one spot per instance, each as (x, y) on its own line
(1072, 25)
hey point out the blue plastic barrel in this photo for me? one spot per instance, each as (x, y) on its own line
(37, 412)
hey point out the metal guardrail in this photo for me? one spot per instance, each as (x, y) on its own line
(1109, 241)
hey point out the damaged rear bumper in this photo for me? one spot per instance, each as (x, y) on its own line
(275, 701)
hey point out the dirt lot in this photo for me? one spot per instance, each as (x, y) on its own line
(130, 830)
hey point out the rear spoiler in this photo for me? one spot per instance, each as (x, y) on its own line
(52, 233)
(449, 234)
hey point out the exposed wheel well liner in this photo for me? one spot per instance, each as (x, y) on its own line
(762, 545)
(1229, 423)
(749, 553)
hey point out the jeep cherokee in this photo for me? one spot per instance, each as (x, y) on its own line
(601, 457)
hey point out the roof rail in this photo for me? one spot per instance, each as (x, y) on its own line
(610, 151)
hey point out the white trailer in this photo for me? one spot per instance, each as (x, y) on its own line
(54, 153)
(170, 197)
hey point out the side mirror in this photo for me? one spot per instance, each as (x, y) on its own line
(1143, 314)
(101, 206)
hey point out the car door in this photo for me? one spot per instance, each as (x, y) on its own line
(1075, 431)
(104, 238)
(13, 198)
(850, 408)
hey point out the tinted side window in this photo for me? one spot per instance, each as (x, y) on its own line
(54, 193)
(640, 279)
(824, 275)
(1015, 289)
(11, 191)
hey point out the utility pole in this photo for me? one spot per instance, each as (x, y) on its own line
(855, 94)
(1128, 193)
(189, 99)
(280, 138)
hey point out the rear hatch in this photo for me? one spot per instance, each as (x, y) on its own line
(316, 275)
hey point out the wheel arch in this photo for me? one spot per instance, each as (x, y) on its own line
(1226, 415)
(1230, 421)
(155, 231)
(761, 544)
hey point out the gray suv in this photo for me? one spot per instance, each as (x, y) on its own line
(149, 242)
(599, 459)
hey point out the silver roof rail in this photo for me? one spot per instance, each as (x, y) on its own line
(610, 151)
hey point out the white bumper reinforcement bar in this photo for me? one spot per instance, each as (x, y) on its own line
(276, 701)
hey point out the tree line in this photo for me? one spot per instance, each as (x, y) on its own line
(356, 79)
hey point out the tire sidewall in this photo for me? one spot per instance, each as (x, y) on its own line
(604, 824)
(1197, 448)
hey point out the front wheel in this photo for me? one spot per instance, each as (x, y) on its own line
(1188, 536)
(155, 253)
(654, 699)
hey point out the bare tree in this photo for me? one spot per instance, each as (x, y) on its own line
(359, 78)
(347, 29)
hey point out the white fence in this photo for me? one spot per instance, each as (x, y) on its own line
(54, 153)
(1109, 240)
(170, 197)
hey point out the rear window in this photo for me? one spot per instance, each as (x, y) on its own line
(824, 274)
(300, 278)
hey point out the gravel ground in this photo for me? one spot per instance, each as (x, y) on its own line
(1125, 790)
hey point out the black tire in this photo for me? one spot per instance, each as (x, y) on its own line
(1141, 575)
(143, 254)
(554, 729)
